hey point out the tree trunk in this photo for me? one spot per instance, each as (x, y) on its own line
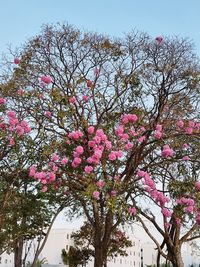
(40, 248)
(98, 258)
(18, 253)
(176, 259)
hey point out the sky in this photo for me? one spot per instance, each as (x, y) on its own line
(22, 19)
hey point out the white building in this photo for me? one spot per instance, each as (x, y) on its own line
(61, 238)
(138, 255)
(6, 260)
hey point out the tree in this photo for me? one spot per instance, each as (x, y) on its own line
(75, 256)
(83, 240)
(26, 212)
(111, 107)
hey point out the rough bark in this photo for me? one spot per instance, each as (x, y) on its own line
(176, 258)
(18, 253)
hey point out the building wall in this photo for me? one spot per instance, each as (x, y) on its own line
(60, 238)
(6, 260)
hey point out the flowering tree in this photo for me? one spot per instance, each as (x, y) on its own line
(26, 212)
(109, 110)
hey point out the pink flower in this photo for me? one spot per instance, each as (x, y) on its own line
(46, 79)
(126, 118)
(166, 213)
(185, 146)
(64, 161)
(141, 139)
(100, 184)
(44, 189)
(108, 144)
(75, 135)
(96, 194)
(79, 150)
(19, 130)
(85, 98)
(189, 209)
(112, 156)
(20, 91)
(198, 218)
(128, 146)
(51, 176)
(88, 169)
(96, 72)
(167, 225)
(90, 130)
(178, 221)
(72, 100)
(124, 137)
(120, 130)
(132, 210)
(157, 134)
(159, 127)
(141, 173)
(32, 171)
(189, 130)
(16, 60)
(91, 143)
(167, 152)
(180, 124)
(11, 141)
(48, 114)
(11, 114)
(185, 158)
(89, 83)
(54, 158)
(191, 124)
(159, 39)
(197, 185)
(113, 193)
(2, 101)
(77, 160)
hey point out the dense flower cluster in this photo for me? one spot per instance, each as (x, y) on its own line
(88, 155)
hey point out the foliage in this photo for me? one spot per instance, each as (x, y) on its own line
(116, 116)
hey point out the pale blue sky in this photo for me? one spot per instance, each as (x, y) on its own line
(20, 19)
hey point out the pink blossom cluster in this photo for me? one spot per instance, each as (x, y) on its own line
(77, 157)
(188, 127)
(126, 118)
(158, 197)
(159, 40)
(14, 126)
(198, 218)
(72, 100)
(188, 202)
(158, 132)
(2, 101)
(75, 135)
(167, 152)
(100, 184)
(49, 176)
(48, 114)
(115, 155)
(46, 79)
(16, 60)
(97, 145)
(132, 210)
(166, 212)
(197, 185)
(96, 194)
